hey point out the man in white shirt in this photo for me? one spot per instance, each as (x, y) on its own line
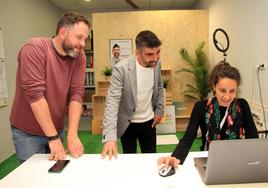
(135, 101)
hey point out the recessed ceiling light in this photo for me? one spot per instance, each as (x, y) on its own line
(87, 0)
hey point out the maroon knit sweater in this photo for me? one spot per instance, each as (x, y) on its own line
(43, 73)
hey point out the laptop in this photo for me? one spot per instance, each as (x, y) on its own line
(234, 161)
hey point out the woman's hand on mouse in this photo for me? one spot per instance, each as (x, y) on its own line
(168, 161)
(109, 147)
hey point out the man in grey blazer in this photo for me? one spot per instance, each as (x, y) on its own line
(135, 101)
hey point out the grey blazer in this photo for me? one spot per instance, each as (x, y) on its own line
(122, 96)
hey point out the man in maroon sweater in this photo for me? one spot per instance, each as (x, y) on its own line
(50, 73)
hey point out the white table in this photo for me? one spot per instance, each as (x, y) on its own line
(129, 170)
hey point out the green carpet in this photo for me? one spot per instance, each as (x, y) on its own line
(92, 145)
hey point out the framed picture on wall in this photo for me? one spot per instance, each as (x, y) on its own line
(120, 48)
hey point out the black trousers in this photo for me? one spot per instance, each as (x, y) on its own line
(142, 132)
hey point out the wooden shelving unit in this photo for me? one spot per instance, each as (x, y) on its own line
(98, 105)
(89, 78)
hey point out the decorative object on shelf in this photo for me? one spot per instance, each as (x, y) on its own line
(107, 72)
(165, 83)
(198, 67)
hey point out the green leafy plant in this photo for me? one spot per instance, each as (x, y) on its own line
(107, 71)
(165, 83)
(198, 67)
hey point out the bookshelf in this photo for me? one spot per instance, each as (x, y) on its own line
(89, 77)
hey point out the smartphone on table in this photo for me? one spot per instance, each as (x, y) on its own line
(58, 166)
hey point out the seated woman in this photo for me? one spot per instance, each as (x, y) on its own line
(222, 117)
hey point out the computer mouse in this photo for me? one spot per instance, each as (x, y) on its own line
(167, 171)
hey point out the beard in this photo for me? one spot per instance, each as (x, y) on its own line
(71, 50)
(151, 64)
(116, 55)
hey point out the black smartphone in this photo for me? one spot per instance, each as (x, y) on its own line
(58, 166)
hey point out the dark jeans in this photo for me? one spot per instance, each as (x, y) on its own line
(144, 133)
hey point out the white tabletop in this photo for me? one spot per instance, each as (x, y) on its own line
(129, 170)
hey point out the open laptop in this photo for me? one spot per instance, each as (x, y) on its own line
(234, 161)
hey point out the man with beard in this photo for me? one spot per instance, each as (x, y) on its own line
(50, 73)
(135, 101)
(116, 55)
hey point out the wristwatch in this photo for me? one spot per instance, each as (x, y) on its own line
(50, 138)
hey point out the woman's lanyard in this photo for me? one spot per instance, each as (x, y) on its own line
(224, 118)
(221, 125)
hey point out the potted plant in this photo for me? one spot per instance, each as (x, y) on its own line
(165, 83)
(107, 72)
(198, 67)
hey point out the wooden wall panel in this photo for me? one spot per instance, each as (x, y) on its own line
(176, 28)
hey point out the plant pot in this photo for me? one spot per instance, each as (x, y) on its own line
(107, 77)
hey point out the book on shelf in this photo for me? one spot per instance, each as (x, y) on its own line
(89, 60)
(89, 79)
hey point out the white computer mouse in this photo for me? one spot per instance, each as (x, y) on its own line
(167, 171)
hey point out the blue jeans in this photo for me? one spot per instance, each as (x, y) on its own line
(26, 144)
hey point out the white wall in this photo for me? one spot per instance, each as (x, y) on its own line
(20, 20)
(246, 22)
